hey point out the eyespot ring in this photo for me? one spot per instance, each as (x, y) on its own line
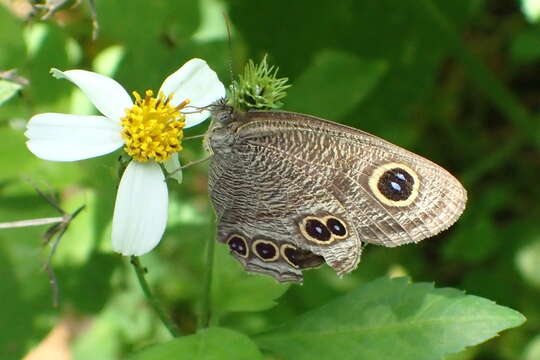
(395, 181)
(283, 251)
(236, 246)
(311, 226)
(258, 248)
(337, 233)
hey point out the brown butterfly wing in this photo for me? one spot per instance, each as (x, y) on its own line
(301, 171)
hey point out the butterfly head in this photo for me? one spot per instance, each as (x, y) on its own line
(222, 112)
(220, 135)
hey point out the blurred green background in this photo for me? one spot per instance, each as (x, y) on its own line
(455, 81)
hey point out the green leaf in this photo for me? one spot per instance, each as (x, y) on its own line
(83, 288)
(235, 290)
(532, 351)
(16, 313)
(333, 84)
(391, 319)
(525, 47)
(26, 310)
(47, 48)
(7, 90)
(480, 225)
(11, 40)
(146, 21)
(126, 316)
(17, 159)
(108, 60)
(208, 344)
(528, 263)
(400, 33)
(213, 25)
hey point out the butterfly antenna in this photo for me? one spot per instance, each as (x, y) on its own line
(229, 38)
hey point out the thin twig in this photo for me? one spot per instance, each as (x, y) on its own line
(188, 165)
(54, 286)
(60, 230)
(31, 222)
(50, 271)
(229, 40)
(57, 230)
(193, 137)
(204, 318)
(140, 271)
(93, 15)
(193, 163)
(51, 200)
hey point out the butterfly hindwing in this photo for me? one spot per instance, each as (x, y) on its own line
(271, 215)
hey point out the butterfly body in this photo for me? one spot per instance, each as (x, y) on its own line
(293, 191)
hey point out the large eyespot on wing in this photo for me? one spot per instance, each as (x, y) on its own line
(238, 245)
(265, 250)
(394, 184)
(323, 230)
(330, 237)
(337, 227)
(299, 258)
(423, 198)
(316, 231)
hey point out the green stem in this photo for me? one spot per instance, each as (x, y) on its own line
(141, 271)
(204, 319)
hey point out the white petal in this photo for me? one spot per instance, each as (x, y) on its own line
(140, 211)
(62, 137)
(199, 84)
(107, 95)
(173, 166)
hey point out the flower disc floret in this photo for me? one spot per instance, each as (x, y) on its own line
(153, 128)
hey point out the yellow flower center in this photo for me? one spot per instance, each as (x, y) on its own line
(152, 128)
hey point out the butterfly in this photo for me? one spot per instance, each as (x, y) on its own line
(293, 191)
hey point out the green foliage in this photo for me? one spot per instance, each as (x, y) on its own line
(11, 40)
(528, 262)
(389, 319)
(7, 90)
(208, 344)
(346, 80)
(234, 290)
(455, 81)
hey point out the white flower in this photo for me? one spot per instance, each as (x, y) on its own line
(151, 131)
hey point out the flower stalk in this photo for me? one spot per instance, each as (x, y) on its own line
(206, 301)
(140, 271)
